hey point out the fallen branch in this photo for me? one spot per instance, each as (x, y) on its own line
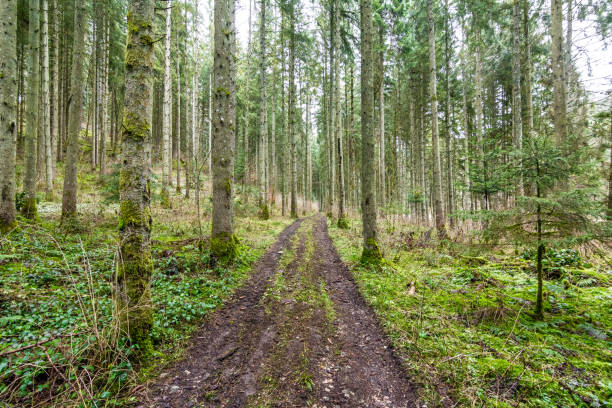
(40, 343)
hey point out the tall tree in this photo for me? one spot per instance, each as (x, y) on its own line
(263, 116)
(69, 197)
(135, 265)
(167, 113)
(435, 140)
(292, 102)
(46, 102)
(223, 242)
(8, 112)
(371, 250)
(31, 139)
(517, 116)
(558, 71)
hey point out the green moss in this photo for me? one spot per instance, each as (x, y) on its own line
(134, 127)
(343, 223)
(264, 211)
(228, 186)
(371, 252)
(131, 215)
(28, 210)
(223, 247)
(165, 198)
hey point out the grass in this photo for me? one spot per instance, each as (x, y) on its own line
(55, 287)
(460, 318)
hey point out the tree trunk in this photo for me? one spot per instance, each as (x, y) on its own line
(292, 135)
(69, 198)
(167, 114)
(103, 96)
(46, 103)
(371, 250)
(435, 141)
(135, 266)
(31, 139)
(382, 198)
(263, 117)
(517, 116)
(178, 128)
(466, 197)
(558, 65)
(8, 113)
(223, 241)
(55, 80)
(527, 70)
(478, 108)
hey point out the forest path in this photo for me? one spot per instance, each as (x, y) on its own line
(298, 334)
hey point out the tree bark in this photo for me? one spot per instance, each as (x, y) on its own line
(31, 139)
(223, 241)
(46, 103)
(69, 198)
(8, 112)
(135, 265)
(292, 97)
(263, 117)
(371, 251)
(558, 72)
(435, 140)
(167, 114)
(517, 116)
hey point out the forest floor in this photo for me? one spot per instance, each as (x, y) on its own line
(297, 334)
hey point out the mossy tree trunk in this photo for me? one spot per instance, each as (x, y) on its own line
(435, 139)
(69, 197)
(31, 137)
(371, 251)
(223, 241)
(8, 112)
(135, 266)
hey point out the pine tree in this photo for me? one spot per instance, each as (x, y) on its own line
(8, 112)
(223, 241)
(135, 265)
(371, 251)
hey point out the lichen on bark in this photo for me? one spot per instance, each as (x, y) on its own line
(135, 266)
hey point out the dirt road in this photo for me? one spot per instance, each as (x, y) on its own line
(298, 334)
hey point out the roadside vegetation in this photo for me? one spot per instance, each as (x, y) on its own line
(461, 317)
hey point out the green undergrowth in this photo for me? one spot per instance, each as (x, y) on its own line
(460, 318)
(56, 303)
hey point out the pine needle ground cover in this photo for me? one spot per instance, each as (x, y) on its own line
(461, 319)
(56, 302)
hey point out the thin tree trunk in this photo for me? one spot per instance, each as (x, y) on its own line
(69, 198)
(517, 116)
(31, 138)
(46, 103)
(55, 110)
(435, 141)
(292, 97)
(167, 113)
(263, 116)
(178, 128)
(8, 113)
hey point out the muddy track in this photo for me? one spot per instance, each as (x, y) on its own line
(298, 334)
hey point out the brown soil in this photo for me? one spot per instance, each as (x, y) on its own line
(298, 334)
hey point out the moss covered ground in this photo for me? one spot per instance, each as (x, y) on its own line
(56, 294)
(460, 317)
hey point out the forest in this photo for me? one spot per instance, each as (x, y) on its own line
(305, 203)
